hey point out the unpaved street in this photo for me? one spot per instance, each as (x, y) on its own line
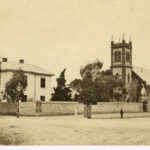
(68, 130)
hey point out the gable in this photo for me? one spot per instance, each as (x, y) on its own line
(142, 74)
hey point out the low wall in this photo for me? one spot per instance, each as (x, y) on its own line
(112, 107)
(8, 108)
(60, 108)
(66, 108)
(27, 108)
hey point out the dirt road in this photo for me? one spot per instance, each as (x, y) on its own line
(68, 130)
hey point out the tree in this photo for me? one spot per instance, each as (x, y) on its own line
(107, 88)
(91, 70)
(18, 80)
(96, 86)
(75, 85)
(107, 72)
(61, 92)
(88, 94)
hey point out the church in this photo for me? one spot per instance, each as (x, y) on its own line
(135, 78)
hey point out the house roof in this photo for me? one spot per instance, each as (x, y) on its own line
(143, 73)
(27, 68)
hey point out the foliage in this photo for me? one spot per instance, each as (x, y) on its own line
(61, 92)
(91, 70)
(88, 93)
(12, 92)
(76, 85)
(86, 88)
(107, 73)
(136, 92)
(108, 87)
(97, 85)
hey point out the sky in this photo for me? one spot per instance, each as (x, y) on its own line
(58, 34)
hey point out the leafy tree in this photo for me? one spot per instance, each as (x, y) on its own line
(61, 92)
(106, 86)
(76, 88)
(107, 73)
(96, 85)
(91, 70)
(76, 84)
(88, 94)
(15, 87)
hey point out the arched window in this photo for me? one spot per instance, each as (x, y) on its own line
(116, 57)
(128, 78)
(119, 56)
(127, 56)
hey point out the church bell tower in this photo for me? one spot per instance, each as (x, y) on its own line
(121, 60)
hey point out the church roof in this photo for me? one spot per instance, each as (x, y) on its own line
(27, 68)
(143, 73)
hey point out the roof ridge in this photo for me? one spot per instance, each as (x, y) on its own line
(25, 67)
(141, 68)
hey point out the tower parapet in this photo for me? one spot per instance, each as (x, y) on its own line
(121, 44)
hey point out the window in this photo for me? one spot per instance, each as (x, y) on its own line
(42, 98)
(127, 56)
(128, 78)
(42, 82)
(117, 56)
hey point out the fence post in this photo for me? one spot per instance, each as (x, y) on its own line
(76, 110)
(38, 107)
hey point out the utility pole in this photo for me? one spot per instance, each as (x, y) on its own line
(18, 97)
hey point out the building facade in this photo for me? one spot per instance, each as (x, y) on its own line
(122, 68)
(121, 61)
(38, 80)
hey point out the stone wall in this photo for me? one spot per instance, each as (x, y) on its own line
(27, 108)
(59, 108)
(8, 108)
(107, 107)
(66, 108)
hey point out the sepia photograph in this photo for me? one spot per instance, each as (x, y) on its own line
(74, 73)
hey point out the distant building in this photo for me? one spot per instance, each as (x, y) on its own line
(38, 80)
(122, 68)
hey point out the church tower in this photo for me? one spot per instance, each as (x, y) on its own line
(121, 60)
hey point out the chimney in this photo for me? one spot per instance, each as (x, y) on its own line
(4, 59)
(21, 61)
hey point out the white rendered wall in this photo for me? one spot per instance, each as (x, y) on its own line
(43, 91)
(33, 90)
